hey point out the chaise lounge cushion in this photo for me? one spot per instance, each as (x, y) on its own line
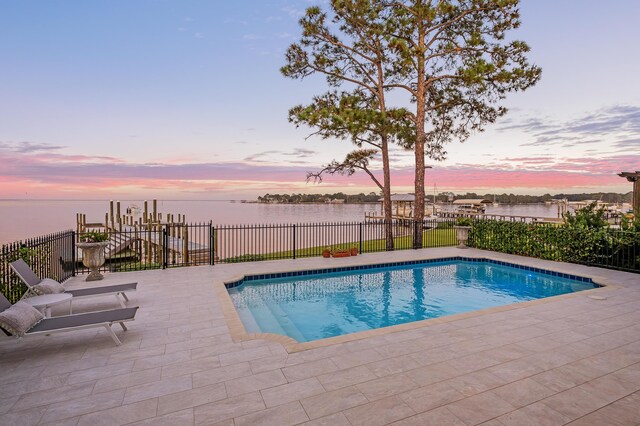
(48, 286)
(20, 318)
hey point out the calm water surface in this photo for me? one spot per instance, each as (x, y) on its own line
(315, 307)
(24, 219)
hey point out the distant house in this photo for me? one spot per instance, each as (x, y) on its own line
(335, 201)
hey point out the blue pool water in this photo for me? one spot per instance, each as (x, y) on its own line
(309, 306)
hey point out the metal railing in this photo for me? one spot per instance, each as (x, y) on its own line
(48, 255)
(160, 246)
(176, 245)
(242, 243)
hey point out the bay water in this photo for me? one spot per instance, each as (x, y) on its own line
(20, 219)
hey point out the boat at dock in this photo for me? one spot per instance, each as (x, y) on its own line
(402, 208)
(471, 206)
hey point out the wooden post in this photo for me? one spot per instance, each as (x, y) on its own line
(111, 213)
(155, 210)
(146, 211)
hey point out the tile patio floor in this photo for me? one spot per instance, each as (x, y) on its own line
(571, 360)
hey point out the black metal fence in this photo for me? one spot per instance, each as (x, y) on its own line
(165, 246)
(242, 243)
(49, 256)
(136, 248)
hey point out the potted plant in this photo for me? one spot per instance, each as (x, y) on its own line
(340, 252)
(93, 257)
(326, 253)
(462, 227)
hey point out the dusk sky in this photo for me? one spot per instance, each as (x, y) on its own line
(176, 99)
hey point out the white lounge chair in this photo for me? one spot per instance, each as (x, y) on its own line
(77, 321)
(31, 280)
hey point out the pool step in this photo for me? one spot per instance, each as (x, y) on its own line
(249, 322)
(266, 321)
(286, 325)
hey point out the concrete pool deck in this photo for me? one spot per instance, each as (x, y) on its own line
(185, 360)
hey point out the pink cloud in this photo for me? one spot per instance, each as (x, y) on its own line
(56, 175)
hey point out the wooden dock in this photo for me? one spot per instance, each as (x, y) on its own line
(143, 234)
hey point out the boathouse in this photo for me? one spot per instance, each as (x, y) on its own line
(635, 178)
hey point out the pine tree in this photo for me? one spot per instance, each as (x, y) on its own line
(351, 50)
(457, 66)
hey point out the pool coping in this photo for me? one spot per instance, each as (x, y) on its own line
(304, 273)
(238, 332)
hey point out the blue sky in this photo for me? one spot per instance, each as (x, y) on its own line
(173, 99)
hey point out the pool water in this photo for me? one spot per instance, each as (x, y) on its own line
(311, 306)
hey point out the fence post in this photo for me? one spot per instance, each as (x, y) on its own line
(73, 253)
(360, 237)
(186, 258)
(165, 247)
(294, 240)
(212, 242)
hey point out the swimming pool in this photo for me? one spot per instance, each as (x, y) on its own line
(311, 305)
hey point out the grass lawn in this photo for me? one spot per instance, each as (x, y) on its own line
(431, 238)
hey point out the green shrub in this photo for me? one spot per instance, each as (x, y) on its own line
(464, 221)
(588, 217)
(444, 225)
(584, 238)
(38, 258)
(95, 237)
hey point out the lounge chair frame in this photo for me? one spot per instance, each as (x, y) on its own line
(66, 323)
(30, 279)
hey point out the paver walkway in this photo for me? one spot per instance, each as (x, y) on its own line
(571, 360)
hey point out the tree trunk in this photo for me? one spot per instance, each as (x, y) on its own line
(419, 191)
(386, 169)
(386, 195)
(419, 145)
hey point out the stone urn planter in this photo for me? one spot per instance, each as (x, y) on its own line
(462, 234)
(93, 258)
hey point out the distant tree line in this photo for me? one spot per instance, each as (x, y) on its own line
(607, 197)
(373, 197)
